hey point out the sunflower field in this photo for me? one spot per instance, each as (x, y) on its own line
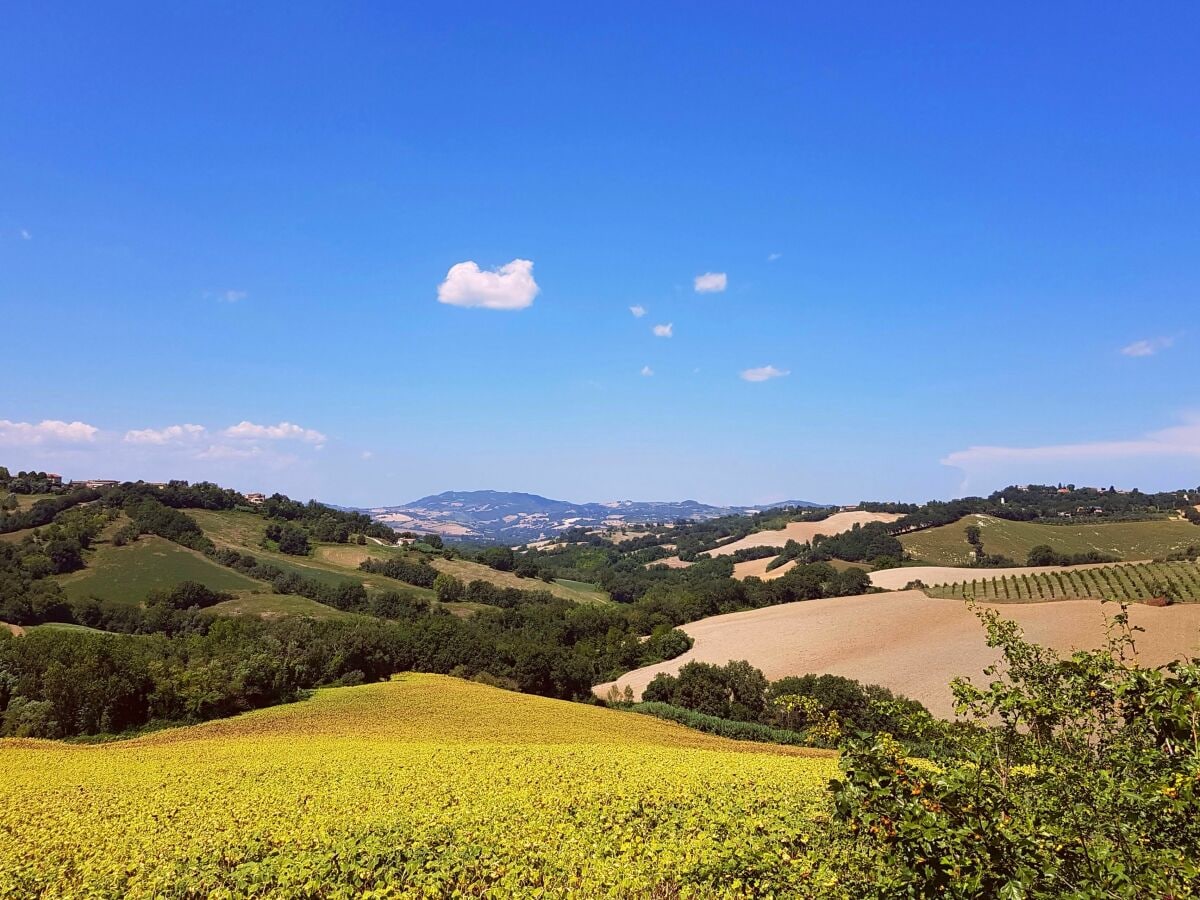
(424, 786)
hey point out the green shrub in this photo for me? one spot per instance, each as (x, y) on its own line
(1088, 788)
(729, 728)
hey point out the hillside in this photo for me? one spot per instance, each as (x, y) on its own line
(946, 545)
(803, 532)
(1127, 583)
(127, 574)
(907, 641)
(516, 518)
(423, 786)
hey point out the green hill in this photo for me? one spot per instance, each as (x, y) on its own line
(127, 574)
(947, 544)
(425, 786)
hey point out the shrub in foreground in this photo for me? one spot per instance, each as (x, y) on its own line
(1089, 787)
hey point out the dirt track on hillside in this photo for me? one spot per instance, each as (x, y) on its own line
(908, 642)
(803, 532)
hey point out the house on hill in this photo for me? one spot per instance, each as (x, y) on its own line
(256, 498)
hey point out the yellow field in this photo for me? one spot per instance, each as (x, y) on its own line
(422, 787)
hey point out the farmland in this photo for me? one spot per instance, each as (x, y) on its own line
(906, 641)
(947, 545)
(803, 532)
(127, 574)
(424, 786)
(1130, 583)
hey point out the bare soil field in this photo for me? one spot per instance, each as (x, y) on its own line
(896, 579)
(671, 562)
(908, 642)
(758, 568)
(803, 532)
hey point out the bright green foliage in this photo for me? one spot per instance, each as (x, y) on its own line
(1089, 787)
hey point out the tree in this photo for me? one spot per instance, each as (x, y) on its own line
(447, 588)
(1086, 788)
(1042, 555)
(975, 537)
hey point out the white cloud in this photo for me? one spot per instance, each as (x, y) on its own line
(711, 283)
(366, 454)
(232, 296)
(664, 330)
(46, 431)
(638, 311)
(509, 287)
(170, 434)
(1177, 441)
(647, 371)
(1147, 347)
(771, 257)
(763, 373)
(284, 431)
(25, 235)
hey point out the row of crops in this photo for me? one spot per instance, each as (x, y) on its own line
(1129, 583)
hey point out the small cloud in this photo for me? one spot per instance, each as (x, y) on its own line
(284, 431)
(638, 311)
(46, 431)
(763, 373)
(509, 287)
(25, 235)
(366, 454)
(229, 296)
(1147, 347)
(711, 283)
(771, 257)
(170, 434)
(647, 371)
(664, 330)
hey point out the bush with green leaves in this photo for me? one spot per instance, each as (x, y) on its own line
(1088, 786)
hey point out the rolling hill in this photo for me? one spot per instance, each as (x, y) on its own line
(946, 545)
(906, 641)
(422, 786)
(126, 574)
(516, 518)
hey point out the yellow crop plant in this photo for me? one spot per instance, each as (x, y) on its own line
(425, 786)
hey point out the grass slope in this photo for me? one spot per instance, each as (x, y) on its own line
(269, 605)
(947, 544)
(424, 786)
(575, 591)
(127, 574)
(329, 563)
(1129, 584)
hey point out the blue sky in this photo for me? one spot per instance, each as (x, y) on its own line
(970, 238)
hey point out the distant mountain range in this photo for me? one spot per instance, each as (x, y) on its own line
(516, 518)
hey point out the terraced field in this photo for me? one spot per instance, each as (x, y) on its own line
(947, 544)
(422, 787)
(1131, 583)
